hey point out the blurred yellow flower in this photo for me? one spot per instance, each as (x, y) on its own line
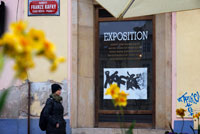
(56, 62)
(113, 90)
(11, 44)
(25, 44)
(196, 115)
(49, 46)
(37, 37)
(121, 100)
(180, 112)
(22, 46)
(8, 39)
(18, 27)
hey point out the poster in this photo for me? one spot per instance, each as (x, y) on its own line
(43, 7)
(131, 80)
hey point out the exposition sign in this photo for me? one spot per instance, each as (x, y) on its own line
(44, 7)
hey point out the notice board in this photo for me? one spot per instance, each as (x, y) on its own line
(43, 7)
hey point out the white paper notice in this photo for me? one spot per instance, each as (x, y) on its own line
(132, 80)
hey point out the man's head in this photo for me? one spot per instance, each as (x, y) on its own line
(56, 88)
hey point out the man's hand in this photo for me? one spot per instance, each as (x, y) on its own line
(57, 125)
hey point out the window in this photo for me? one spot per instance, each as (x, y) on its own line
(125, 55)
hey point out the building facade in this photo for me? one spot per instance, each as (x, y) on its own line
(85, 34)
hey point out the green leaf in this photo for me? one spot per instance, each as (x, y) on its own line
(170, 125)
(198, 129)
(3, 97)
(1, 62)
(192, 129)
(130, 130)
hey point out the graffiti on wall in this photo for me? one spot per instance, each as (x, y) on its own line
(189, 101)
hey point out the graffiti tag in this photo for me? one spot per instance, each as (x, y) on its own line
(131, 80)
(189, 101)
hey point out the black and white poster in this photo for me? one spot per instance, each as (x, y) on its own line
(131, 80)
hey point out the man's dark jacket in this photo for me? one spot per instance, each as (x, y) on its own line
(54, 113)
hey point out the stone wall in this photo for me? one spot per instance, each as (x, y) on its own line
(83, 87)
(163, 98)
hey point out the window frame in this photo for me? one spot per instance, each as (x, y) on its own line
(136, 112)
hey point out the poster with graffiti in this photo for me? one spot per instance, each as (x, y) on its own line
(132, 80)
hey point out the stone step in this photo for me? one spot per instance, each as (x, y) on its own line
(114, 131)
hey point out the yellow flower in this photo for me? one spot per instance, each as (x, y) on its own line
(49, 50)
(23, 63)
(180, 112)
(22, 46)
(61, 59)
(11, 44)
(25, 44)
(113, 90)
(196, 115)
(8, 39)
(121, 100)
(22, 75)
(56, 62)
(49, 46)
(18, 27)
(37, 37)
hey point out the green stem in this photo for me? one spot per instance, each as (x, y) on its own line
(182, 126)
(198, 127)
(121, 125)
(122, 113)
(118, 116)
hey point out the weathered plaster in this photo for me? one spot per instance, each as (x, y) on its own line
(36, 106)
(17, 102)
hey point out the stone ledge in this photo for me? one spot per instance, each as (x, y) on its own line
(114, 131)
